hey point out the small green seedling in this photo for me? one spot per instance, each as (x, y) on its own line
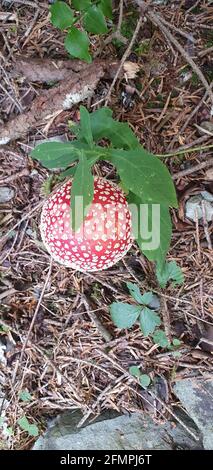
(90, 15)
(143, 378)
(125, 315)
(31, 429)
(24, 395)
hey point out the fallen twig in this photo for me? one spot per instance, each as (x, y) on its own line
(193, 169)
(19, 174)
(101, 328)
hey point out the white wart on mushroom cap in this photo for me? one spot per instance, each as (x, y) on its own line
(105, 236)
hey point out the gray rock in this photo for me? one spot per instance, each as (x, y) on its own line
(114, 432)
(155, 302)
(194, 206)
(6, 194)
(197, 398)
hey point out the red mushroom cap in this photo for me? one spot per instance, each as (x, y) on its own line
(105, 235)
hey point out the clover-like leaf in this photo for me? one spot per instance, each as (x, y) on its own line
(135, 292)
(135, 371)
(124, 315)
(149, 320)
(144, 380)
(169, 271)
(24, 395)
(31, 429)
(159, 337)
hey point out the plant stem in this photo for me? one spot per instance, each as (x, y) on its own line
(181, 152)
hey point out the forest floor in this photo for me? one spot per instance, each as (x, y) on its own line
(67, 362)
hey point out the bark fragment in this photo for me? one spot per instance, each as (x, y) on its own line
(63, 96)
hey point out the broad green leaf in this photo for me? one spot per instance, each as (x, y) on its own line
(86, 126)
(145, 175)
(135, 371)
(120, 134)
(81, 5)
(61, 15)
(164, 237)
(82, 192)
(94, 21)
(159, 337)
(124, 315)
(77, 44)
(145, 380)
(169, 271)
(135, 292)
(104, 126)
(148, 321)
(31, 429)
(69, 172)
(55, 154)
(147, 298)
(24, 395)
(99, 121)
(106, 7)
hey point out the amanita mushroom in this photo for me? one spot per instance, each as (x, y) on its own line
(105, 235)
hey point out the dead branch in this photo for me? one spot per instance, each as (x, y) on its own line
(96, 320)
(45, 70)
(194, 169)
(64, 96)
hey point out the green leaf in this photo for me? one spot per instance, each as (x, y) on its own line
(124, 315)
(145, 380)
(94, 21)
(106, 7)
(55, 154)
(135, 371)
(61, 15)
(69, 172)
(104, 126)
(176, 354)
(77, 44)
(86, 126)
(145, 175)
(148, 321)
(176, 342)
(159, 337)
(169, 271)
(31, 429)
(147, 298)
(82, 192)
(81, 5)
(153, 254)
(24, 395)
(135, 292)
